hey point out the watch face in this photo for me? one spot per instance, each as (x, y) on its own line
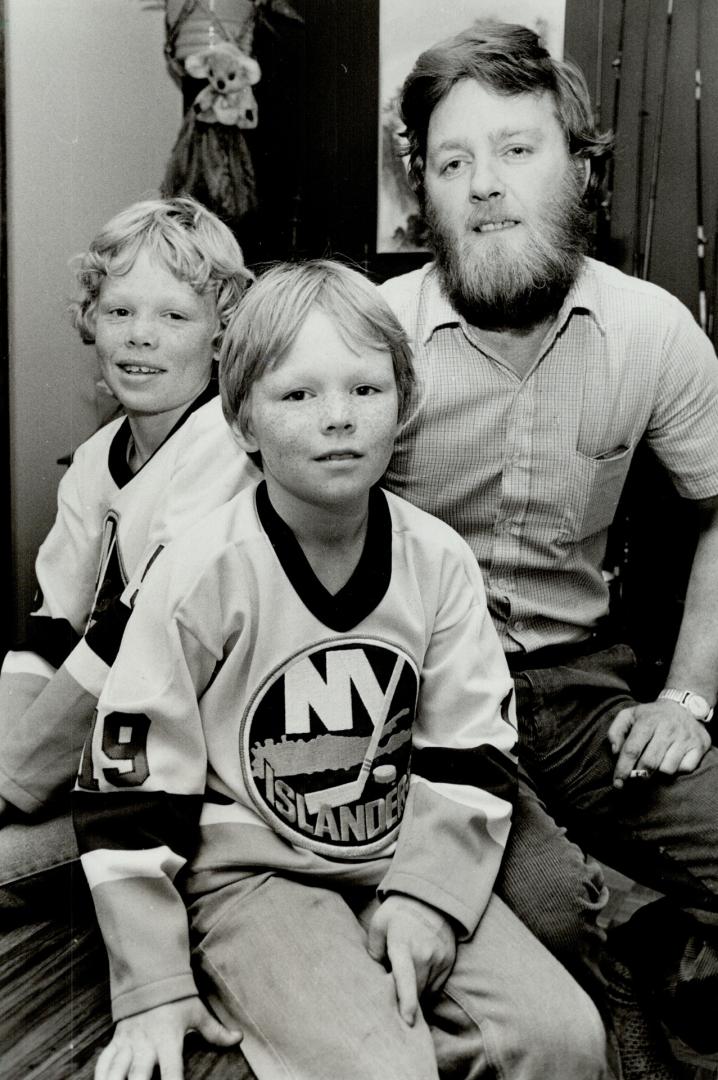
(697, 706)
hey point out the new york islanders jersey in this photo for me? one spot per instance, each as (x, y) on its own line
(360, 738)
(110, 524)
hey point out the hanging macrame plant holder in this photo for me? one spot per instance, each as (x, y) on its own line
(211, 160)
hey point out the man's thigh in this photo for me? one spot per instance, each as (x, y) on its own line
(553, 887)
(288, 964)
(661, 831)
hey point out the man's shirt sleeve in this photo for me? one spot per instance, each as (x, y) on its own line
(684, 419)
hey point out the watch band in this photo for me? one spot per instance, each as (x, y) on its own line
(695, 703)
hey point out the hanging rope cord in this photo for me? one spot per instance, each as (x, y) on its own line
(242, 40)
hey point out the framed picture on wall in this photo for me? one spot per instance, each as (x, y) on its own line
(406, 28)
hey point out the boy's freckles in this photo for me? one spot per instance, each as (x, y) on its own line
(324, 417)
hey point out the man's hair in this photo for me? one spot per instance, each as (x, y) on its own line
(272, 312)
(182, 235)
(507, 59)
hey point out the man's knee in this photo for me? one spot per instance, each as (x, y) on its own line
(410, 1058)
(560, 902)
(548, 882)
(576, 1041)
(565, 917)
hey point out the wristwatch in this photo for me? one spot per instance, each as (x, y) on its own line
(697, 706)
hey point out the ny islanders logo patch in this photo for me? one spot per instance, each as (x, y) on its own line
(327, 745)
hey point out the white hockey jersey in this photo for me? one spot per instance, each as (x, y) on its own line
(110, 524)
(360, 738)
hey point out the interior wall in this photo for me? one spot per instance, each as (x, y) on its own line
(91, 118)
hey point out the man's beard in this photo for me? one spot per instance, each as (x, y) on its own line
(495, 287)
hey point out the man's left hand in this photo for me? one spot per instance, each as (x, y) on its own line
(420, 945)
(660, 736)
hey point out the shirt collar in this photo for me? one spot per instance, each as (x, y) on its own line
(583, 296)
(438, 309)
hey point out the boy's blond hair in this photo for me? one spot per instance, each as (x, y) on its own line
(271, 314)
(182, 235)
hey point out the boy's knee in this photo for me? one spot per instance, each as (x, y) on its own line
(413, 1060)
(376, 1052)
(566, 1040)
(393, 1049)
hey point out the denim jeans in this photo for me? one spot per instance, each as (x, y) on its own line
(662, 832)
(556, 889)
(287, 963)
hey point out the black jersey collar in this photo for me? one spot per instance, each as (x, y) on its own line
(117, 458)
(365, 588)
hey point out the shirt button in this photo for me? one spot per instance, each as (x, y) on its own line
(519, 624)
(504, 583)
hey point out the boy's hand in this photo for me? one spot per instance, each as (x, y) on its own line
(156, 1037)
(420, 945)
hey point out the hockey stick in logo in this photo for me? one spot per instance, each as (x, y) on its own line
(351, 791)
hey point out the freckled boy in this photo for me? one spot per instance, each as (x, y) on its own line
(299, 787)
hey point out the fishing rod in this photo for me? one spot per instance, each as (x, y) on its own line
(597, 103)
(712, 324)
(657, 141)
(604, 221)
(640, 152)
(700, 232)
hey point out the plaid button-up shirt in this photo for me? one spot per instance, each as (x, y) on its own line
(530, 469)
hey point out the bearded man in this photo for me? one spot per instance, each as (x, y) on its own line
(540, 371)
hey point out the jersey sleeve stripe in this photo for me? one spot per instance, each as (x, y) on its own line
(135, 820)
(105, 635)
(211, 795)
(20, 662)
(104, 866)
(53, 639)
(144, 924)
(479, 766)
(456, 871)
(496, 810)
(232, 813)
(87, 668)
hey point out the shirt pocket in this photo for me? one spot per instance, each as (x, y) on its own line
(599, 482)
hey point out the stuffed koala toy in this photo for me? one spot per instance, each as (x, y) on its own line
(228, 99)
